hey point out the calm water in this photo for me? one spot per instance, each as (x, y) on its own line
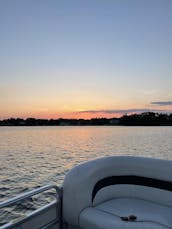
(34, 156)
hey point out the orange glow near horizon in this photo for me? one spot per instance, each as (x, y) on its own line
(76, 110)
(57, 115)
(67, 115)
(90, 115)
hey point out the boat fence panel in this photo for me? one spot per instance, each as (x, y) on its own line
(45, 217)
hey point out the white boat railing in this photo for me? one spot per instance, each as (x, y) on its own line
(54, 205)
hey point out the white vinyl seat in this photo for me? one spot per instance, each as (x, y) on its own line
(107, 215)
(97, 193)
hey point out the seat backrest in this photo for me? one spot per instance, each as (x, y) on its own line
(102, 179)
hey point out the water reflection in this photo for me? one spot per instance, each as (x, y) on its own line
(32, 156)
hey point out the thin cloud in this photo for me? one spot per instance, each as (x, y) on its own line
(120, 111)
(162, 103)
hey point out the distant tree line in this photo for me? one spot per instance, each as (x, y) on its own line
(57, 122)
(144, 119)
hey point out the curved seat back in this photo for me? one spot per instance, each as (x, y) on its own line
(106, 178)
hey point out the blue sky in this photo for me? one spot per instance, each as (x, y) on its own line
(64, 58)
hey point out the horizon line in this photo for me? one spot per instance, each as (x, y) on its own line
(31, 117)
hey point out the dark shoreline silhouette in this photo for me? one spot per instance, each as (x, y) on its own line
(143, 119)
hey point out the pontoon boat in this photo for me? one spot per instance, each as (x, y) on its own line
(120, 192)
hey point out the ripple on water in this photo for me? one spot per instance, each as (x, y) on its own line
(32, 157)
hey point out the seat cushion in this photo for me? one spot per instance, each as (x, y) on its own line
(107, 215)
(90, 183)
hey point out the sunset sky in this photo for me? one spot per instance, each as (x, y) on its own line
(85, 58)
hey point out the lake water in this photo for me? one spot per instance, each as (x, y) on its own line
(34, 156)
